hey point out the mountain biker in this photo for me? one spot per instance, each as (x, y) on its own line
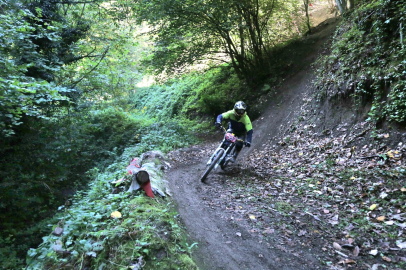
(240, 123)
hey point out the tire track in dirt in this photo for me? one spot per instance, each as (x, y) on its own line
(219, 246)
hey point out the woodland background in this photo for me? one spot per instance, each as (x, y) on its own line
(86, 85)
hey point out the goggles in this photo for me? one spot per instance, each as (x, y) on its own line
(240, 111)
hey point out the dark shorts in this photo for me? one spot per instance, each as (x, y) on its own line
(241, 136)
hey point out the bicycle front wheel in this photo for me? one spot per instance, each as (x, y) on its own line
(216, 158)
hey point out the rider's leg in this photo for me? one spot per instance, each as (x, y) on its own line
(238, 147)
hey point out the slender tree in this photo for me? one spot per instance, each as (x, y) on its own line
(306, 7)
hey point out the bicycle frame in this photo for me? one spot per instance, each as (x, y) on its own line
(226, 150)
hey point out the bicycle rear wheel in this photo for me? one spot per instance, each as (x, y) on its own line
(216, 158)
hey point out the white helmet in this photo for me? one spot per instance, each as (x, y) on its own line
(239, 108)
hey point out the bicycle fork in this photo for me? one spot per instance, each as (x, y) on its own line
(214, 154)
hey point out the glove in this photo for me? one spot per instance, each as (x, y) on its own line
(218, 125)
(247, 144)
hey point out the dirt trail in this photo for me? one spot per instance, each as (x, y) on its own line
(217, 218)
(224, 243)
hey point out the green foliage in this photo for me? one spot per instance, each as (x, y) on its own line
(198, 96)
(367, 59)
(219, 91)
(23, 93)
(77, 114)
(395, 108)
(202, 93)
(60, 154)
(91, 238)
(60, 111)
(187, 32)
(109, 68)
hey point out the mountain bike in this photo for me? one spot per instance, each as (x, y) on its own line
(223, 154)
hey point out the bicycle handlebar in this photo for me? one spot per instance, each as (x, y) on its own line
(225, 131)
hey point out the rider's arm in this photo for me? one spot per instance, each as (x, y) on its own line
(225, 115)
(248, 127)
(219, 118)
(249, 135)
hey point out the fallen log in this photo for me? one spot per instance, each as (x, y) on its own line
(145, 173)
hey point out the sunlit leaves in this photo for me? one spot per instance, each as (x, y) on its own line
(116, 214)
(187, 32)
(23, 91)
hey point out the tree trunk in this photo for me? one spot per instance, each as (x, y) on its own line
(342, 5)
(142, 177)
(306, 6)
(352, 4)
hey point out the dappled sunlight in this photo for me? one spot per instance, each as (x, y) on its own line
(146, 81)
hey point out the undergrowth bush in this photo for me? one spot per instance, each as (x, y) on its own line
(54, 158)
(220, 91)
(92, 239)
(192, 96)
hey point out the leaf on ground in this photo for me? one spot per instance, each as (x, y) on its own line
(372, 207)
(373, 252)
(375, 266)
(302, 232)
(390, 154)
(381, 218)
(252, 217)
(348, 261)
(398, 217)
(57, 247)
(386, 259)
(336, 246)
(334, 220)
(58, 231)
(356, 251)
(401, 244)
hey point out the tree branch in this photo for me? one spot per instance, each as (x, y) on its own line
(81, 57)
(90, 71)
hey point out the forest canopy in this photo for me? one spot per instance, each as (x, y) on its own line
(216, 31)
